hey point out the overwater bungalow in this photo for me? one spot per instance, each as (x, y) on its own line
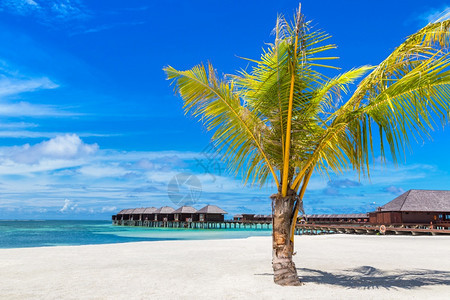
(337, 218)
(244, 217)
(186, 214)
(415, 207)
(238, 218)
(249, 218)
(125, 214)
(149, 214)
(263, 218)
(136, 214)
(211, 213)
(164, 214)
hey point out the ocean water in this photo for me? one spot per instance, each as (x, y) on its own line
(21, 234)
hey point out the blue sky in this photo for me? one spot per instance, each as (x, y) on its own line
(89, 125)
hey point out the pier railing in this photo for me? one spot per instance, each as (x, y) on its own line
(226, 224)
(413, 229)
(308, 228)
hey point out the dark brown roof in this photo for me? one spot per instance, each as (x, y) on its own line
(126, 211)
(211, 209)
(164, 210)
(185, 210)
(150, 210)
(138, 211)
(339, 216)
(420, 200)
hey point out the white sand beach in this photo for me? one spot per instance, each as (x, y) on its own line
(331, 266)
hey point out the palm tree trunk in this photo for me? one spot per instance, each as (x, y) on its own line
(284, 269)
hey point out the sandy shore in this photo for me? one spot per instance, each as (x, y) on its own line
(331, 266)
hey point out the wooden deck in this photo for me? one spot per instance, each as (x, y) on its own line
(228, 224)
(411, 229)
(361, 228)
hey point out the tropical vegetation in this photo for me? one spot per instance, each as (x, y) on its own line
(285, 118)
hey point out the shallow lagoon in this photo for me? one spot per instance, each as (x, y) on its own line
(20, 234)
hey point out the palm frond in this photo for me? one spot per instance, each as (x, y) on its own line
(237, 131)
(400, 98)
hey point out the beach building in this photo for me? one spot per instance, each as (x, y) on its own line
(211, 213)
(136, 214)
(252, 218)
(164, 214)
(210, 216)
(149, 214)
(415, 207)
(248, 217)
(337, 218)
(244, 217)
(186, 214)
(238, 218)
(263, 218)
(125, 214)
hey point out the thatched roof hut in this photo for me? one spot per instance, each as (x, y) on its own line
(420, 201)
(211, 213)
(125, 214)
(211, 209)
(138, 211)
(185, 210)
(164, 210)
(127, 211)
(337, 216)
(186, 213)
(237, 217)
(165, 213)
(150, 210)
(415, 207)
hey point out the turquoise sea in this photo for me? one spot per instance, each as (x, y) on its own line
(20, 234)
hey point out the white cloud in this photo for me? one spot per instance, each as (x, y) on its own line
(102, 171)
(25, 109)
(45, 10)
(145, 164)
(13, 86)
(108, 209)
(97, 181)
(20, 7)
(39, 134)
(31, 2)
(15, 125)
(65, 147)
(108, 27)
(68, 206)
(392, 189)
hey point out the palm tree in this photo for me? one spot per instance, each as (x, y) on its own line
(284, 119)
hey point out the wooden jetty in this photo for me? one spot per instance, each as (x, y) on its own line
(208, 217)
(414, 212)
(226, 224)
(411, 229)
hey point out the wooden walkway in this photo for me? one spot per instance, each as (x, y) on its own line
(410, 229)
(229, 224)
(370, 229)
